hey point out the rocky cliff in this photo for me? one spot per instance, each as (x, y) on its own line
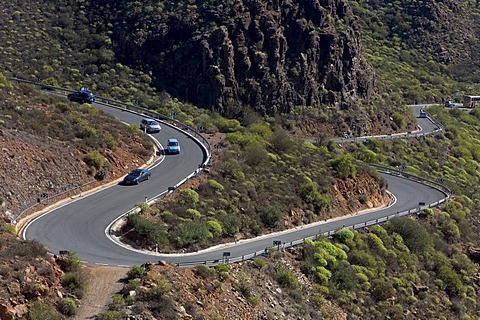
(269, 55)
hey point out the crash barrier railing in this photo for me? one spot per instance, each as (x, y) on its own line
(408, 134)
(132, 108)
(280, 246)
(47, 198)
(392, 171)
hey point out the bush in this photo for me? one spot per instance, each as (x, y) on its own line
(204, 272)
(286, 278)
(343, 167)
(188, 197)
(253, 300)
(272, 216)
(215, 227)
(4, 83)
(109, 315)
(75, 283)
(40, 310)
(135, 272)
(190, 232)
(94, 159)
(310, 193)
(67, 306)
(153, 232)
(415, 236)
(343, 235)
(70, 262)
(259, 262)
(227, 125)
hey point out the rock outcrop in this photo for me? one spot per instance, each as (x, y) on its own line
(271, 56)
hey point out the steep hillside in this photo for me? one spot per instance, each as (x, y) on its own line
(50, 146)
(424, 50)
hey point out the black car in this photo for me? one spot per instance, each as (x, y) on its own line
(136, 176)
(81, 96)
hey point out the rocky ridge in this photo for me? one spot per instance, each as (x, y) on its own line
(271, 56)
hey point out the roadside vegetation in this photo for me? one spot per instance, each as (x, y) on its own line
(262, 181)
(266, 180)
(83, 127)
(39, 286)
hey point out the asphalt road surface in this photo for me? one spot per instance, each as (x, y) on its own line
(83, 224)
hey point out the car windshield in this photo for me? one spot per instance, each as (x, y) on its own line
(152, 123)
(173, 143)
(135, 172)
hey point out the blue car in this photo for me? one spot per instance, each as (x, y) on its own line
(136, 176)
(173, 146)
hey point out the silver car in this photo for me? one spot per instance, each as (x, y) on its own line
(150, 125)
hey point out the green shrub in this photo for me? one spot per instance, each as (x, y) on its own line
(95, 159)
(135, 272)
(69, 262)
(309, 192)
(227, 125)
(188, 197)
(4, 82)
(8, 227)
(414, 235)
(381, 289)
(109, 315)
(272, 216)
(143, 206)
(190, 232)
(399, 120)
(75, 283)
(215, 185)
(40, 310)
(67, 306)
(343, 235)
(231, 224)
(193, 213)
(281, 142)
(204, 272)
(343, 167)
(110, 141)
(215, 227)
(222, 267)
(253, 300)
(259, 262)
(153, 232)
(285, 277)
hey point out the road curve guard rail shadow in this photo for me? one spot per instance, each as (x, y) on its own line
(286, 245)
(135, 109)
(280, 245)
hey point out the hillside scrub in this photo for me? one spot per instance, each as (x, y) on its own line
(72, 144)
(259, 184)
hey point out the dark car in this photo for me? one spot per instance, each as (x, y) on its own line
(82, 96)
(449, 104)
(136, 176)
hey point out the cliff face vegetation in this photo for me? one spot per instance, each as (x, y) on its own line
(271, 56)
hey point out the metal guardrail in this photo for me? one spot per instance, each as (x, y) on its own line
(131, 107)
(136, 109)
(45, 199)
(432, 183)
(284, 245)
(329, 234)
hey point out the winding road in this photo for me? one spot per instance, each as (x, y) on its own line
(83, 225)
